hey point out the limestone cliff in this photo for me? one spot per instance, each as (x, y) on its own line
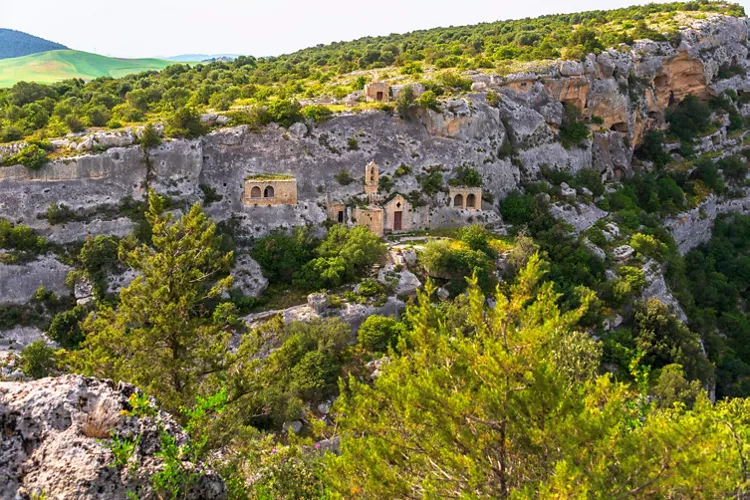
(622, 91)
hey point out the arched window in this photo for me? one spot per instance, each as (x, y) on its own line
(268, 193)
(471, 201)
(255, 192)
(458, 201)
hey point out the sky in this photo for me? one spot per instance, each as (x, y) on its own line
(148, 28)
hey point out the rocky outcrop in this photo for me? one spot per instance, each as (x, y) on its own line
(693, 228)
(60, 438)
(19, 282)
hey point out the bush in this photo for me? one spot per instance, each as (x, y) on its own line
(432, 183)
(630, 283)
(343, 177)
(31, 156)
(649, 246)
(590, 179)
(652, 149)
(65, 328)
(572, 131)
(385, 184)
(428, 100)
(466, 176)
(185, 122)
(378, 333)
(38, 360)
(688, 119)
(402, 170)
(282, 253)
(316, 112)
(404, 102)
(149, 137)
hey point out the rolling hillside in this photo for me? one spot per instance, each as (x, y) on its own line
(57, 65)
(18, 44)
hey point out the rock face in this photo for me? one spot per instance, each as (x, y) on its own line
(57, 443)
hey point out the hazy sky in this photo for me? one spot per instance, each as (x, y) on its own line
(143, 28)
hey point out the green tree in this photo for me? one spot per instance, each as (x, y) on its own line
(159, 337)
(38, 360)
(377, 333)
(185, 122)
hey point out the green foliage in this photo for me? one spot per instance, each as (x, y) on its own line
(342, 256)
(123, 449)
(689, 118)
(157, 337)
(38, 360)
(717, 275)
(649, 246)
(99, 260)
(31, 156)
(630, 283)
(65, 328)
(285, 112)
(454, 260)
(402, 170)
(19, 243)
(378, 333)
(664, 340)
(385, 184)
(282, 253)
(404, 102)
(466, 176)
(149, 137)
(175, 477)
(432, 183)
(572, 131)
(352, 144)
(590, 179)
(428, 100)
(185, 122)
(343, 177)
(209, 194)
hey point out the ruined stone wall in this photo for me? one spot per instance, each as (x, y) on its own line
(260, 192)
(371, 218)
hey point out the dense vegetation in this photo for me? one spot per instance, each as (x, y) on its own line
(271, 86)
(18, 44)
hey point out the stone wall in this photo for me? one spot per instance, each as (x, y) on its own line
(270, 192)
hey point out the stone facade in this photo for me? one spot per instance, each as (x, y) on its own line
(466, 198)
(371, 180)
(270, 192)
(336, 212)
(378, 91)
(398, 214)
(370, 217)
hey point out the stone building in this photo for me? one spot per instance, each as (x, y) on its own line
(378, 91)
(269, 190)
(336, 212)
(466, 198)
(371, 180)
(398, 214)
(371, 217)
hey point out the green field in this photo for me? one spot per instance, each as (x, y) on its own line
(57, 65)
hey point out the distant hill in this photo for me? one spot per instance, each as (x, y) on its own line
(18, 44)
(57, 65)
(201, 57)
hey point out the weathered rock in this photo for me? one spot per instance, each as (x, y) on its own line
(295, 426)
(567, 191)
(656, 287)
(19, 282)
(57, 443)
(623, 253)
(404, 282)
(579, 215)
(443, 294)
(319, 302)
(248, 277)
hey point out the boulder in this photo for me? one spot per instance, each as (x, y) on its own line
(58, 441)
(623, 253)
(248, 277)
(295, 426)
(567, 191)
(319, 302)
(443, 294)
(298, 130)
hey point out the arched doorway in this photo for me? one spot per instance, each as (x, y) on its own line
(458, 201)
(255, 192)
(471, 201)
(268, 193)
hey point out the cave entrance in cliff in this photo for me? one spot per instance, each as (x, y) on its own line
(471, 201)
(255, 192)
(458, 201)
(268, 193)
(340, 217)
(398, 218)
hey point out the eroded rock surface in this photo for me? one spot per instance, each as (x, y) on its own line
(56, 443)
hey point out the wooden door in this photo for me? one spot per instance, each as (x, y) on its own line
(397, 220)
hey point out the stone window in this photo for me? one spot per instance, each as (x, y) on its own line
(255, 192)
(471, 201)
(268, 193)
(458, 201)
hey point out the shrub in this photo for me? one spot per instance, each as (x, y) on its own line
(185, 122)
(38, 360)
(209, 194)
(402, 170)
(404, 102)
(572, 131)
(65, 328)
(649, 246)
(428, 100)
(516, 208)
(378, 333)
(432, 183)
(493, 99)
(591, 180)
(630, 283)
(688, 119)
(31, 156)
(652, 149)
(385, 184)
(282, 253)
(316, 112)
(149, 137)
(466, 176)
(352, 144)
(343, 177)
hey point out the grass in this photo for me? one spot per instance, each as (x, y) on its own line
(58, 65)
(269, 177)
